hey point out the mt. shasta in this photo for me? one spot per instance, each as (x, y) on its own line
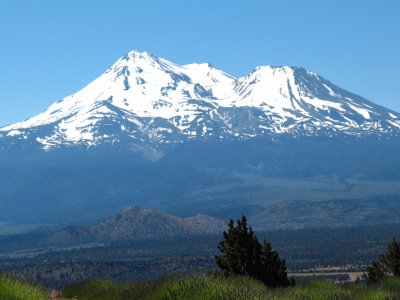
(192, 140)
(146, 99)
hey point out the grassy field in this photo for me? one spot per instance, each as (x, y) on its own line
(217, 287)
(14, 289)
(201, 287)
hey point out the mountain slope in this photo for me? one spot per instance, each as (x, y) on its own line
(143, 99)
(138, 223)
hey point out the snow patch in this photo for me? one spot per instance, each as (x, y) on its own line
(361, 111)
(14, 133)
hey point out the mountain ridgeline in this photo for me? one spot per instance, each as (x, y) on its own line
(184, 139)
(146, 100)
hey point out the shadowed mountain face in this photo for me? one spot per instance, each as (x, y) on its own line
(82, 187)
(186, 139)
(138, 223)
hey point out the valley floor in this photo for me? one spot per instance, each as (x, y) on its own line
(339, 254)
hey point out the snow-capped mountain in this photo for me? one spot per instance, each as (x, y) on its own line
(146, 99)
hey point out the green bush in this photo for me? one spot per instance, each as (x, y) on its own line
(97, 289)
(391, 284)
(15, 289)
(318, 290)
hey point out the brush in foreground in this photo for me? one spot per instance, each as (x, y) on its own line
(15, 289)
(216, 286)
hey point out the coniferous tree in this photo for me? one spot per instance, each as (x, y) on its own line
(273, 270)
(387, 265)
(242, 254)
(240, 248)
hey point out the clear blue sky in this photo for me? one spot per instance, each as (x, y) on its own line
(50, 49)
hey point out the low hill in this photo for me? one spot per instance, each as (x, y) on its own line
(139, 223)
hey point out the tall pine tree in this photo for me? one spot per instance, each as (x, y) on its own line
(242, 254)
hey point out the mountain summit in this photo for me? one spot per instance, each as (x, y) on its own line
(146, 99)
